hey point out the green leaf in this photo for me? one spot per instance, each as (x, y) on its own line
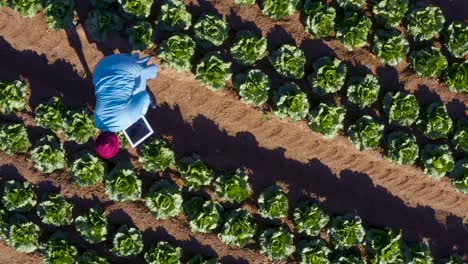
(176, 52)
(174, 16)
(48, 155)
(93, 226)
(18, 196)
(26, 8)
(365, 133)
(384, 246)
(434, 122)
(79, 127)
(289, 61)
(390, 46)
(328, 76)
(195, 172)
(137, 8)
(309, 218)
(353, 31)
(21, 234)
(454, 259)
(238, 228)
(58, 250)
(91, 257)
(346, 257)
(51, 115)
(460, 139)
(127, 242)
(313, 252)
(437, 160)
(123, 185)
(346, 232)
(456, 77)
(401, 109)
(123, 142)
(253, 87)
(156, 156)
(55, 210)
(163, 252)
(327, 119)
(164, 200)
(248, 48)
(233, 187)
(203, 215)
(428, 62)
(13, 138)
(210, 30)
(60, 14)
(277, 9)
(213, 71)
(391, 12)
(291, 102)
(141, 36)
(101, 23)
(12, 96)
(363, 91)
(459, 176)
(351, 4)
(401, 148)
(273, 203)
(418, 254)
(277, 244)
(318, 19)
(424, 23)
(88, 170)
(244, 3)
(457, 39)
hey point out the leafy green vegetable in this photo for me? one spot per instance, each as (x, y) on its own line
(351, 4)
(318, 19)
(363, 91)
(176, 52)
(21, 234)
(123, 142)
(346, 231)
(248, 48)
(18, 196)
(101, 3)
(291, 102)
(156, 156)
(277, 244)
(26, 8)
(328, 76)
(13, 138)
(346, 257)
(309, 218)
(88, 170)
(12, 96)
(454, 259)
(199, 259)
(164, 200)
(401, 148)
(365, 133)
(137, 8)
(58, 250)
(277, 9)
(437, 160)
(174, 16)
(100, 23)
(51, 115)
(4, 3)
(213, 71)
(384, 245)
(127, 242)
(314, 251)
(141, 36)
(460, 139)
(55, 210)
(253, 87)
(273, 203)
(244, 3)
(353, 31)
(233, 187)
(424, 23)
(163, 252)
(60, 14)
(210, 30)
(390, 46)
(459, 176)
(457, 39)
(327, 119)
(123, 185)
(93, 226)
(195, 172)
(48, 155)
(79, 127)
(428, 62)
(401, 109)
(289, 61)
(418, 254)
(203, 216)
(238, 228)
(91, 257)
(391, 12)
(434, 121)
(456, 77)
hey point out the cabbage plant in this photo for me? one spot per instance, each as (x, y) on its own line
(425, 22)
(401, 147)
(91, 257)
(12, 96)
(163, 252)
(123, 185)
(346, 231)
(273, 203)
(353, 31)
(195, 172)
(203, 215)
(459, 176)
(127, 242)
(313, 251)
(233, 187)
(390, 46)
(88, 170)
(434, 121)
(21, 234)
(363, 91)
(390, 12)
(100, 23)
(13, 138)
(309, 218)
(351, 4)
(460, 138)
(174, 16)
(327, 119)
(93, 226)
(79, 127)
(48, 155)
(210, 30)
(289, 61)
(277, 9)
(318, 19)
(277, 244)
(51, 115)
(248, 48)
(136, 8)
(291, 102)
(213, 71)
(141, 36)
(365, 133)
(428, 62)
(26, 8)
(457, 39)
(55, 210)
(59, 250)
(164, 200)
(401, 109)
(437, 160)
(60, 14)
(456, 77)
(176, 52)
(384, 245)
(418, 253)
(155, 156)
(18, 196)
(238, 228)
(328, 76)
(253, 87)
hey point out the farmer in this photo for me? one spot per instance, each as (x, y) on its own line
(121, 97)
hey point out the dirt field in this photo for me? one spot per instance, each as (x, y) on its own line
(228, 134)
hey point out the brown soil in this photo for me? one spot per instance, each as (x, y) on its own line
(229, 134)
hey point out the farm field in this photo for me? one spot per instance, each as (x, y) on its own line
(229, 134)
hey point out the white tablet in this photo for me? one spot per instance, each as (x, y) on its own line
(138, 131)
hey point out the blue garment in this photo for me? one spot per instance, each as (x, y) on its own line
(121, 96)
